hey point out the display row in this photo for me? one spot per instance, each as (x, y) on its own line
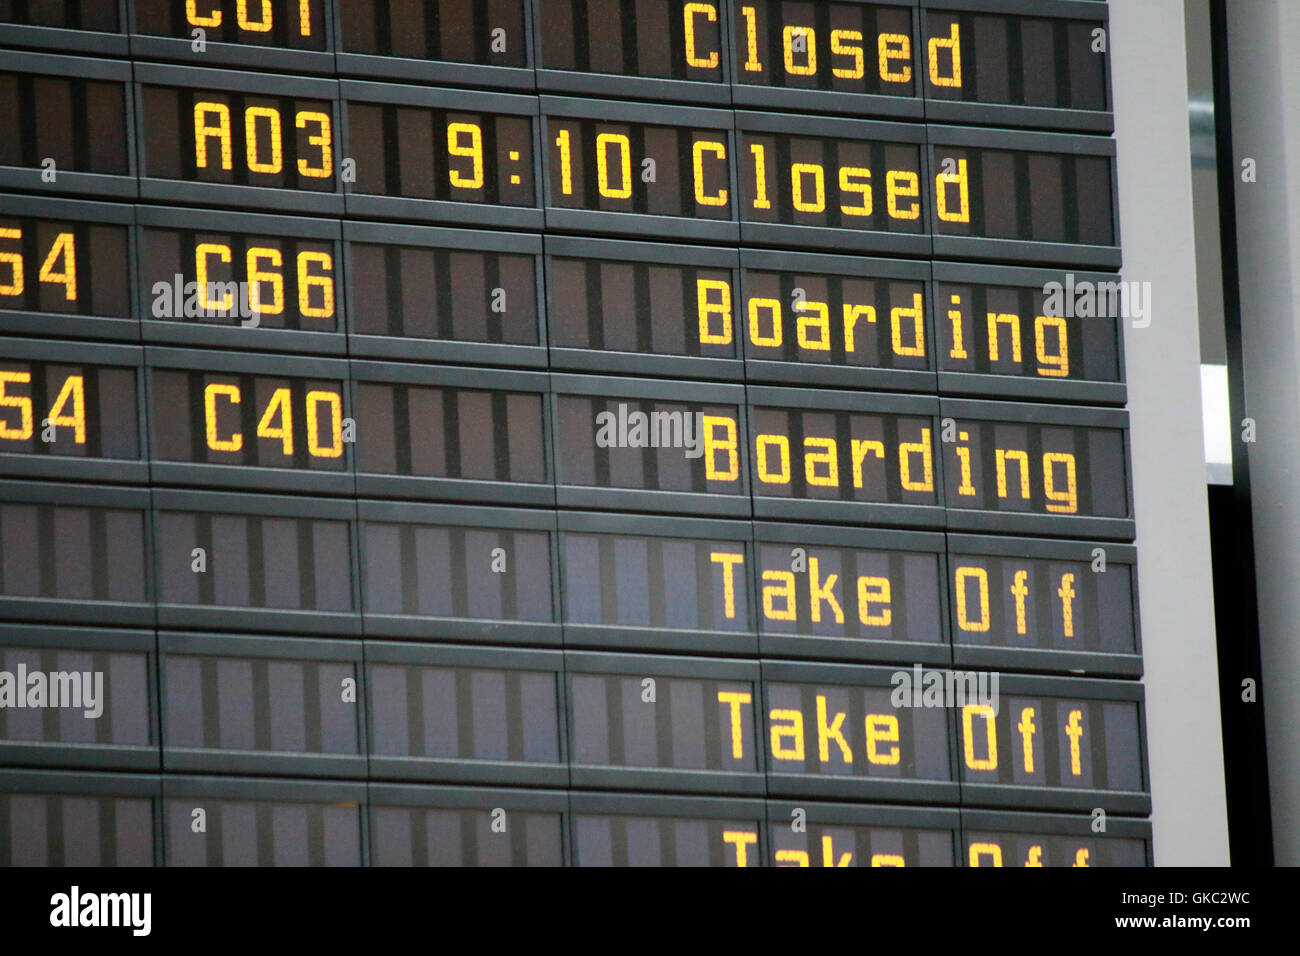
(75, 269)
(978, 61)
(56, 818)
(356, 428)
(493, 715)
(421, 154)
(191, 559)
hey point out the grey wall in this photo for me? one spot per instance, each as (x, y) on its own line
(1205, 186)
(1264, 43)
(1149, 78)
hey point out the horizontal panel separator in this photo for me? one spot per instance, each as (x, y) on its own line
(848, 537)
(655, 114)
(490, 516)
(176, 499)
(90, 353)
(596, 522)
(221, 220)
(437, 97)
(589, 662)
(53, 207)
(407, 234)
(77, 637)
(257, 645)
(1033, 141)
(77, 495)
(841, 400)
(276, 790)
(160, 74)
(666, 253)
(469, 797)
(239, 360)
(658, 805)
(1082, 9)
(461, 655)
(461, 376)
(832, 127)
(774, 260)
(89, 68)
(1039, 547)
(569, 383)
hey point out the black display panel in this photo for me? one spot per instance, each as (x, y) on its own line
(633, 440)
(210, 276)
(652, 300)
(1041, 197)
(452, 287)
(1047, 747)
(486, 32)
(643, 168)
(1045, 196)
(851, 177)
(588, 461)
(830, 845)
(64, 267)
(76, 828)
(57, 409)
(451, 835)
(443, 431)
(837, 455)
(255, 705)
(1057, 467)
(663, 841)
(1029, 332)
(68, 14)
(1056, 488)
(665, 39)
(54, 123)
(272, 826)
(248, 420)
(64, 561)
(880, 598)
(654, 584)
(835, 320)
(1039, 839)
(984, 848)
(1044, 604)
(238, 138)
(292, 24)
(840, 47)
(85, 698)
(473, 573)
(448, 152)
(997, 342)
(835, 738)
(675, 724)
(627, 830)
(436, 714)
(613, 830)
(252, 561)
(991, 57)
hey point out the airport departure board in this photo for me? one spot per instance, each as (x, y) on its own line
(564, 432)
